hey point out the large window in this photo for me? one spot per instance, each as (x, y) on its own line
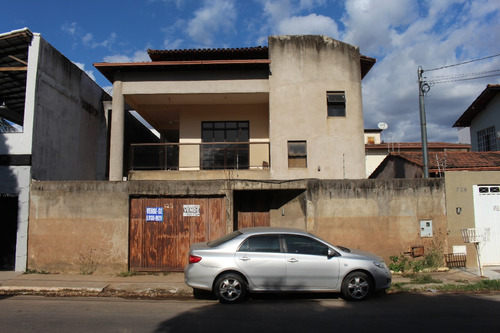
(223, 154)
(297, 154)
(486, 139)
(336, 103)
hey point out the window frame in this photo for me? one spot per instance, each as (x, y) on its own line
(486, 139)
(293, 155)
(336, 104)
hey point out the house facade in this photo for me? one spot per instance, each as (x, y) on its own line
(482, 118)
(291, 110)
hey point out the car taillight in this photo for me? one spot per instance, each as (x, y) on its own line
(194, 259)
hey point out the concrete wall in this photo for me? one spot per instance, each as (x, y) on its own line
(71, 221)
(69, 133)
(459, 194)
(303, 70)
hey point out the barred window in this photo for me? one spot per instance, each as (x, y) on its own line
(486, 139)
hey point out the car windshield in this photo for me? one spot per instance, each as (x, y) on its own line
(224, 239)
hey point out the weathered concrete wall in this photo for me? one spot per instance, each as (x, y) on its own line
(382, 217)
(459, 194)
(303, 70)
(69, 133)
(72, 223)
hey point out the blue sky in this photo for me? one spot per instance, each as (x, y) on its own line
(400, 34)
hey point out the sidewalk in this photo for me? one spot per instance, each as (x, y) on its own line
(161, 285)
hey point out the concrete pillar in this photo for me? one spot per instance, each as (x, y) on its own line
(117, 132)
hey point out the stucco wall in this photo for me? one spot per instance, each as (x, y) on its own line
(459, 194)
(380, 216)
(71, 221)
(303, 70)
(69, 133)
(485, 119)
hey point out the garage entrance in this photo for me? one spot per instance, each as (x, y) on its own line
(8, 231)
(163, 228)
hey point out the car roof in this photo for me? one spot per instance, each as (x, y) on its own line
(273, 230)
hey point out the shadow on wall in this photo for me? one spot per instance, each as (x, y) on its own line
(8, 205)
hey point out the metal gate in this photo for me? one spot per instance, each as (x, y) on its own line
(487, 215)
(163, 228)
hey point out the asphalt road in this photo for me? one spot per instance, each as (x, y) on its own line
(429, 312)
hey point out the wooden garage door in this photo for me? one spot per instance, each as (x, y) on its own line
(162, 229)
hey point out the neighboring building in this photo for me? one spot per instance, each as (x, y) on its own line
(57, 131)
(376, 150)
(292, 110)
(60, 130)
(483, 119)
(410, 164)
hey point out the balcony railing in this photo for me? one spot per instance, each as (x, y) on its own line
(200, 156)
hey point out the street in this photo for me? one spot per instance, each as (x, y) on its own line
(429, 312)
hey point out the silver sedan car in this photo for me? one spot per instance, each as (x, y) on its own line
(282, 260)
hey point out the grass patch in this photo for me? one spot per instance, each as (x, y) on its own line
(460, 286)
(35, 271)
(127, 274)
(424, 279)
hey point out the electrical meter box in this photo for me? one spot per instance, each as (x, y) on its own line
(426, 228)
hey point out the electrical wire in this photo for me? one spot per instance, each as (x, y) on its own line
(462, 63)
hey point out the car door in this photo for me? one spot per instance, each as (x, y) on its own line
(308, 265)
(260, 259)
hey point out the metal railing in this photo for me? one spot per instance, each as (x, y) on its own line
(200, 156)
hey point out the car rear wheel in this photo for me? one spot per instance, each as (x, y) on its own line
(230, 288)
(357, 286)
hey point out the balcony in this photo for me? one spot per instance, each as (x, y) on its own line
(210, 160)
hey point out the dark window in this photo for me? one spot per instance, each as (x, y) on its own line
(261, 243)
(486, 139)
(225, 155)
(297, 154)
(335, 101)
(305, 245)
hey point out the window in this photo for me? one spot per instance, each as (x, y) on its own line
(297, 154)
(262, 243)
(486, 139)
(304, 245)
(336, 103)
(225, 156)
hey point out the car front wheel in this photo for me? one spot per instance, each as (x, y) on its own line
(230, 288)
(357, 286)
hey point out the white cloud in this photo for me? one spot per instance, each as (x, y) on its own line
(70, 28)
(310, 24)
(88, 72)
(138, 56)
(404, 35)
(214, 16)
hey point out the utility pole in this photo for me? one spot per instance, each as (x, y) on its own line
(423, 88)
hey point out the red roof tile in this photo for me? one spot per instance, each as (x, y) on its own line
(455, 160)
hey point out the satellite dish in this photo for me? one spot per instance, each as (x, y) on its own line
(382, 125)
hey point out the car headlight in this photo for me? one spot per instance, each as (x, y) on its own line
(380, 264)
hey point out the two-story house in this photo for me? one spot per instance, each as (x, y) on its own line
(483, 119)
(267, 116)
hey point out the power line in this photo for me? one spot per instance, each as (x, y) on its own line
(462, 63)
(462, 77)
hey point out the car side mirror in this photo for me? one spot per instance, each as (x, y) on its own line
(332, 253)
